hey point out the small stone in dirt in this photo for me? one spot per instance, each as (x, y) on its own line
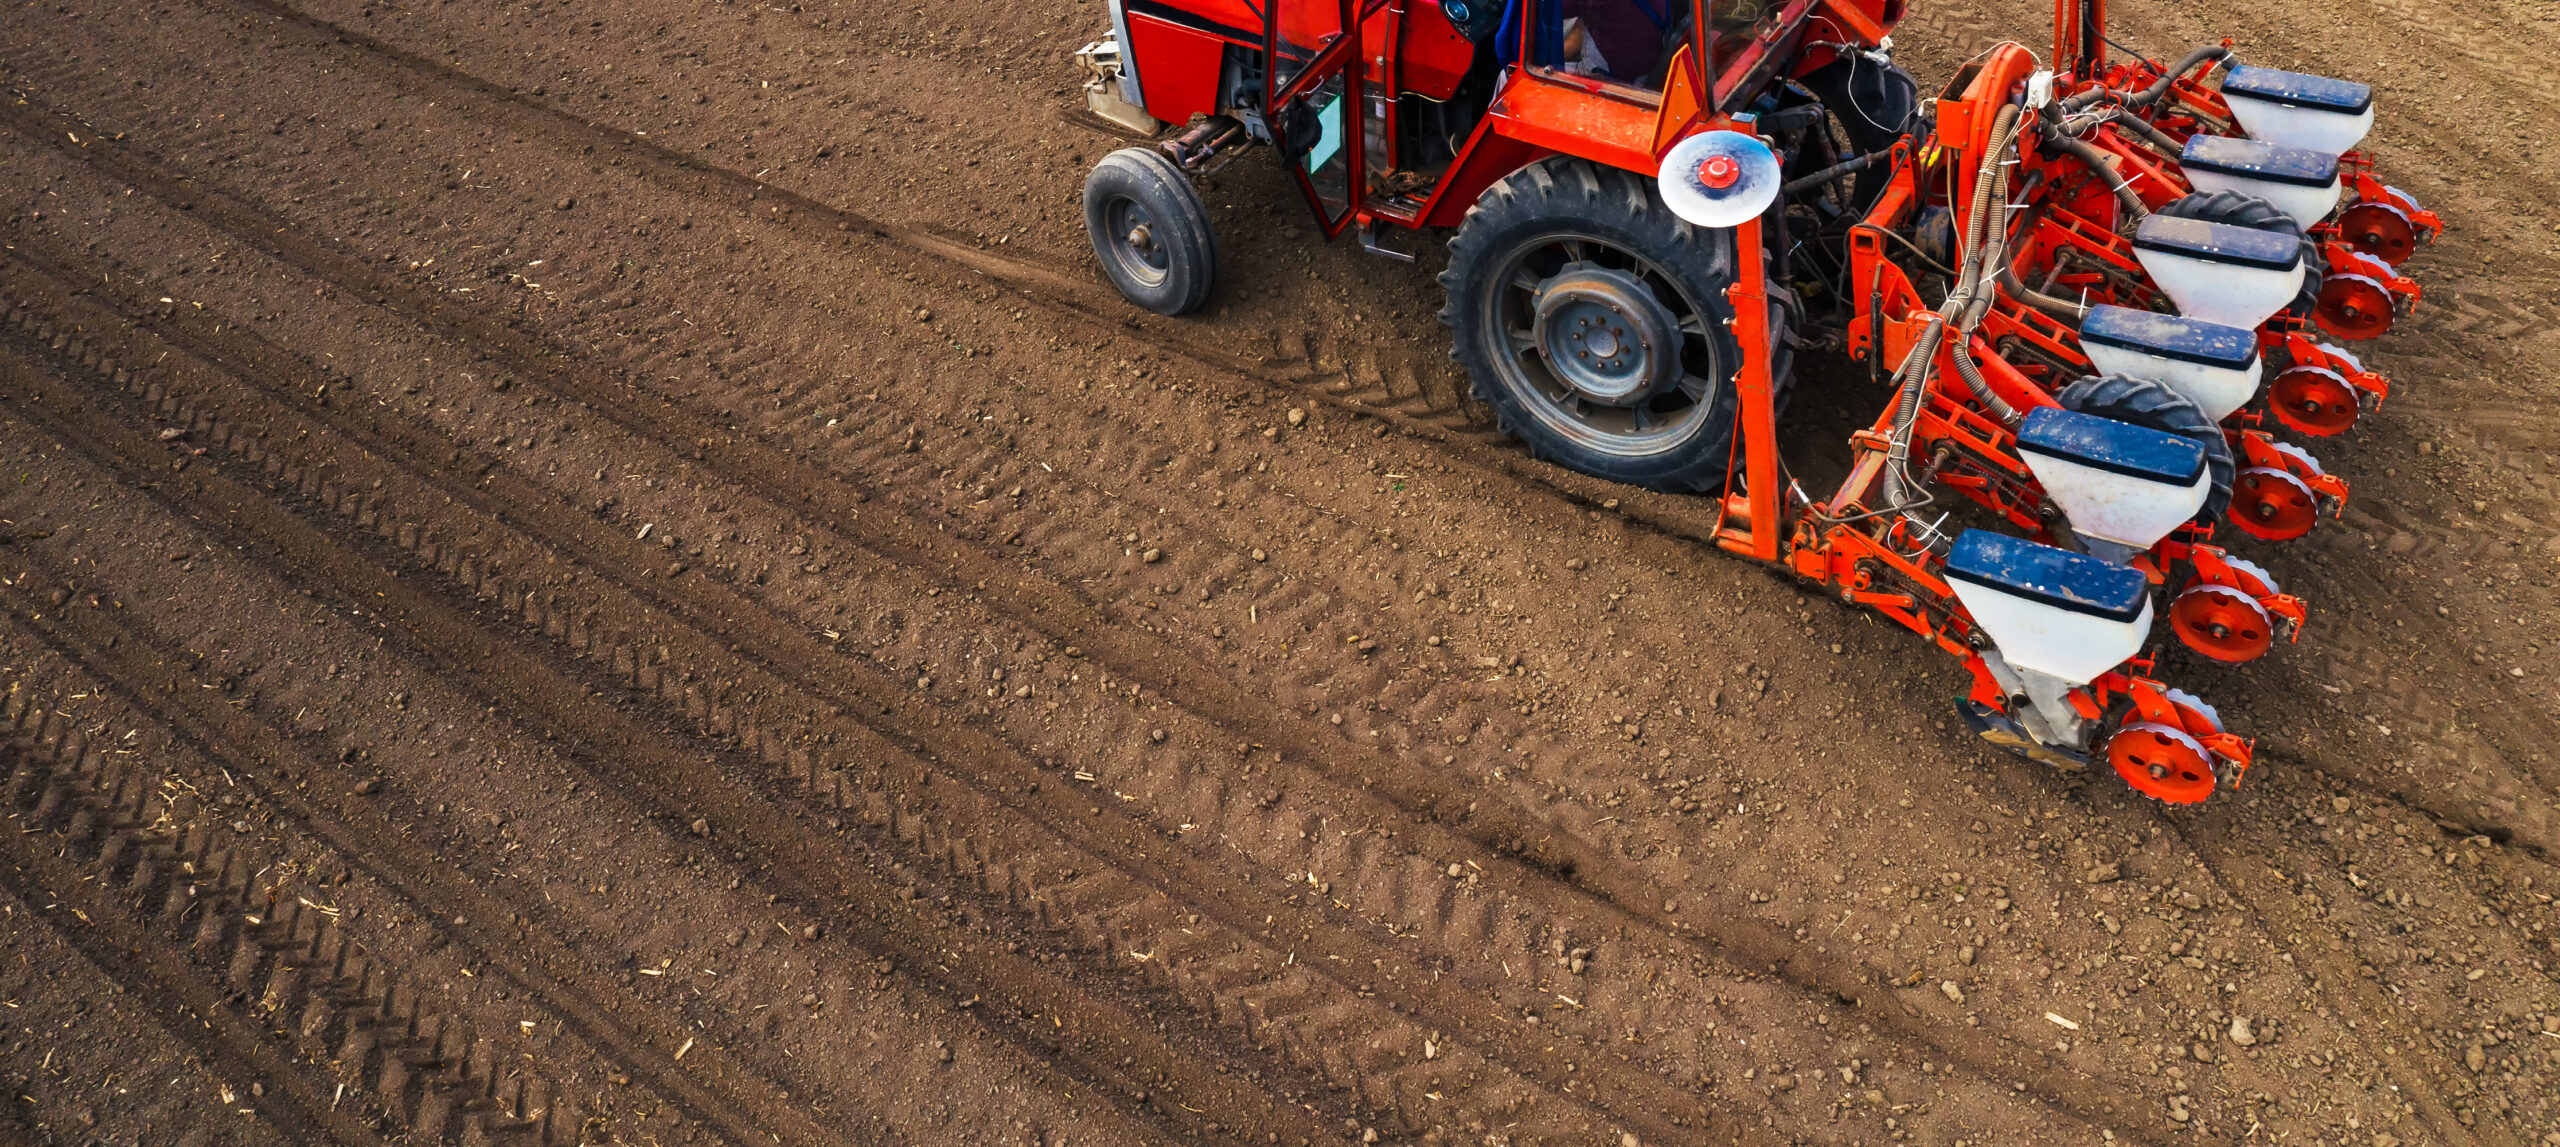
(500, 384)
(1953, 992)
(2201, 1053)
(364, 788)
(1628, 1139)
(924, 682)
(173, 434)
(2240, 1033)
(809, 1001)
(924, 314)
(1297, 416)
(1966, 954)
(2187, 899)
(1156, 735)
(2107, 873)
(2341, 804)
(1151, 556)
(701, 826)
(1611, 504)
(1575, 563)
(1260, 556)
(812, 932)
(941, 1052)
(565, 204)
(1456, 871)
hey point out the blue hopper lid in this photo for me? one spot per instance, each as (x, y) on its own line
(2253, 159)
(2040, 573)
(2112, 446)
(2346, 97)
(2219, 243)
(2170, 336)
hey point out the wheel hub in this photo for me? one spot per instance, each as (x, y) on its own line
(1137, 249)
(2162, 762)
(1606, 335)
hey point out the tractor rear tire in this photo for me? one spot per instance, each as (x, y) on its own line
(2151, 404)
(1565, 255)
(2257, 214)
(1150, 231)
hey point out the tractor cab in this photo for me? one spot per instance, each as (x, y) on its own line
(1406, 123)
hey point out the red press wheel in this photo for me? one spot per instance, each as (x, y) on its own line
(2353, 307)
(2381, 230)
(2222, 623)
(2162, 763)
(2313, 400)
(2271, 504)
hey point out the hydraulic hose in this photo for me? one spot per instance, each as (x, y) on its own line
(2125, 119)
(2151, 95)
(1984, 244)
(1987, 248)
(1836, 171)
(2055, 305)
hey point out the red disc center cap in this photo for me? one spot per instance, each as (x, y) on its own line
(1719, 172)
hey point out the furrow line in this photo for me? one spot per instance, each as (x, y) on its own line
(1166, 1078)
(786, 717)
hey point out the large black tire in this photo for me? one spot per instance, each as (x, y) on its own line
(1150, 230)
(2144, 402)
(2257, 214)
(1557, 245)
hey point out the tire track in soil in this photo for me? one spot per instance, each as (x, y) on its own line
(285, 967)
(135, 663)
(55, 1087)
(2513, 812)
(233, 1046)
(631, 757)
(756, 465)
(800, 664)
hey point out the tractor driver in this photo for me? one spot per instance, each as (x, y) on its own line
(1619, 40)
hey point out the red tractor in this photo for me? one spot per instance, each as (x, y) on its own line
(2093, 289)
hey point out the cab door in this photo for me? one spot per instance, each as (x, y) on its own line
(1312, 93)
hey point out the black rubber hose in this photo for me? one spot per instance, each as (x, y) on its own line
(2055, 305)
(2125, 119)
(2151, 95)
(1837, 171)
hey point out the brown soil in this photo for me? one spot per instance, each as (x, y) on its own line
(611, 573)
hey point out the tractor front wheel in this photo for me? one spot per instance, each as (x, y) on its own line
(1595, 324)
(1150, 230)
